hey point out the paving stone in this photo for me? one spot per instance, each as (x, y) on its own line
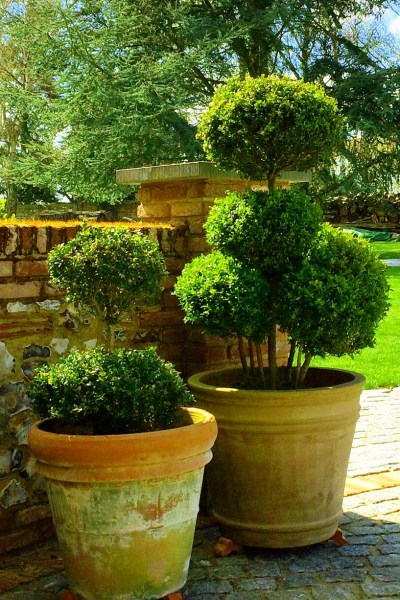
(345, 575)
(190, 596)
(264, 570)
(209, 587)
(197, 574)
(372, 529)
(379, 590)
(392, 527)
(253, 595)
(300, 580)
(308, 565)
(369, 540)
(362, 550)
(389, 560)
(25, 595)
(289, 595)
(348, 562)
(335, 592)
(391, 538)
(256, 584)
(386, 574)
(226, 571)
(390, 548)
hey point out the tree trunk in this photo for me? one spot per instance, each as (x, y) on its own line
(11, 200)
(272, 357)
(260, 365)
(304, 368)
(242, 355)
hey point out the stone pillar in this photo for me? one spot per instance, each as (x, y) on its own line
(181, 195)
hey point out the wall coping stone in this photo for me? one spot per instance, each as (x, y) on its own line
(192, 170)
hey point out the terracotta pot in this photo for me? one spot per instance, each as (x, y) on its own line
(281, 457)
(125, 506)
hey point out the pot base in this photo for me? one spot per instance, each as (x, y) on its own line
(258, 538)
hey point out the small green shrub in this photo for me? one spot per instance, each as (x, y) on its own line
(124, 391)
(108, 270)
(261, 126)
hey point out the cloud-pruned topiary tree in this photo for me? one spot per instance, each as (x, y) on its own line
(326, 289)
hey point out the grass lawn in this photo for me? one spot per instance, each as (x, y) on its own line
(387, 249)
(380, 365)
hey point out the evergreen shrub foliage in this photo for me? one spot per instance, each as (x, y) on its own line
(264, 228)
(125, 391)
(335, 301)
(261, 126)
(225, 296)
(108, 269)
(105, 391)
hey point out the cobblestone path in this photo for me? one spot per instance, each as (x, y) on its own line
(368, 568)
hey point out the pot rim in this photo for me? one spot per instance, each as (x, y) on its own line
(121, 456)
(198, 380)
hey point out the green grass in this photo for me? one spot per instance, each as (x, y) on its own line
(387, 249)
(380, 365)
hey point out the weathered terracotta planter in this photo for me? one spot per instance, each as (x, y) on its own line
(125, 506)
(280, 460)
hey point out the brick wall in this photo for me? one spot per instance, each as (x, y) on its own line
(63, 211)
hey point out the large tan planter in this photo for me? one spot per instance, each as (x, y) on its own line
(280, 460)
(125, 506)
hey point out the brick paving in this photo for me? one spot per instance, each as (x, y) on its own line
(369, 567)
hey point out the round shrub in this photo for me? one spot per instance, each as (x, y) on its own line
(333, 304)
(273, 229)
(125, 391)
(225, 297)
(261, 126)
(108, 270)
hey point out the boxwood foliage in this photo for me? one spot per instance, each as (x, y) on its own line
(125, 391)
(272, 229)
(108, 269)
(261, 126)
(225, 296)
(326, 288)
(335, 301)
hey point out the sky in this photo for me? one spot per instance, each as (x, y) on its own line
(394, 26)
(392, 20)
